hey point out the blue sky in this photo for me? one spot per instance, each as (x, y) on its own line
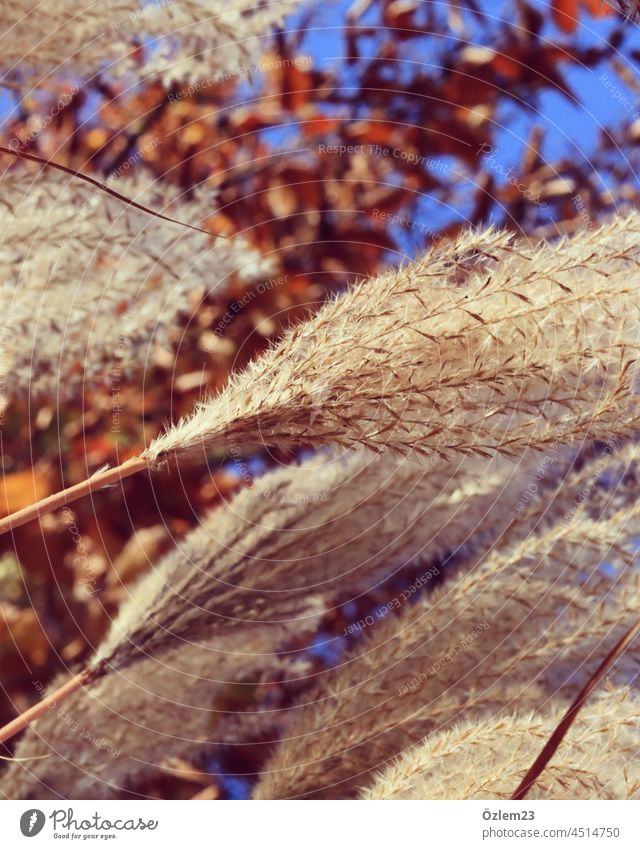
(572, 128)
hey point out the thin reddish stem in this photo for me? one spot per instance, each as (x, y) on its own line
(48, 703)
(567, 720)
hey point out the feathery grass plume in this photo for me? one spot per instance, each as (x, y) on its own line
(306, 532)
(534, 346)
(597, 760)
(182, 702)
(478, 348)
(191, 39)
(328, 528)
(538, 613)
(89, 285)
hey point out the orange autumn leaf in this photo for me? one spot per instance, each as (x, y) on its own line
(507, 65)
(29, 638)
(566, 12)
(320, 124)
(19, 489)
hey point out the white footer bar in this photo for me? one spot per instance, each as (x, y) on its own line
(320, 825)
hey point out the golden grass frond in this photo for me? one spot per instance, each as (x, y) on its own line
(530, 348)
(598, 759)
(327, 529)
(482, 347)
